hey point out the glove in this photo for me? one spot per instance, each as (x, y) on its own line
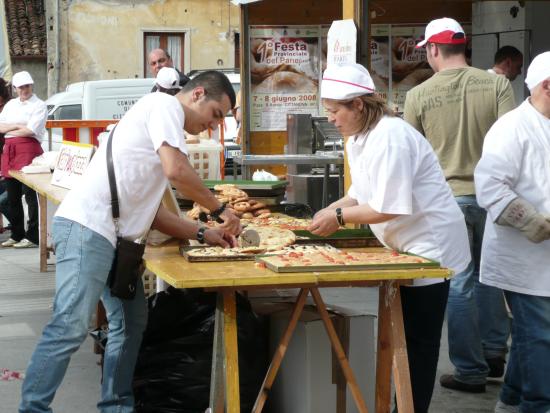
(522, 215)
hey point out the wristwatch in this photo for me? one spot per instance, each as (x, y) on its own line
(216, 214)
(340, 217)
(200, 235)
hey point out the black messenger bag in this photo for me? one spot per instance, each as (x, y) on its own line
(127, 265)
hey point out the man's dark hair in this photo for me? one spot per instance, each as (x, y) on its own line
(506, 52)
(215, 83)
(451, 49)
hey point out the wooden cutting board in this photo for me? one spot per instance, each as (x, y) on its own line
(275, 263)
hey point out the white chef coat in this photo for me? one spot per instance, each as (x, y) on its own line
(154, 119)
(395, 171)
(515, 163)
(32, 113)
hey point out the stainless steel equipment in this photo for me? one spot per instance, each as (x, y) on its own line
(314, 135)
(322, 194)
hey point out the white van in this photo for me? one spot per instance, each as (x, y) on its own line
(95, 100)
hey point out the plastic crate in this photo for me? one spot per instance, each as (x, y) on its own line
(205, 158)
(149, 283)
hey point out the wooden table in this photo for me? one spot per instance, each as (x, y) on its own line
(227, 277)
(46, 191)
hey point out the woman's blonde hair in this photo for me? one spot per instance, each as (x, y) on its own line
(374, 109)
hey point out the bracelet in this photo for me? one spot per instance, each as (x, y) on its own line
(216, 214)
(200, 235)
(340, 217)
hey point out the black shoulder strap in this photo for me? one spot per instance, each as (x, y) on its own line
(112, 180)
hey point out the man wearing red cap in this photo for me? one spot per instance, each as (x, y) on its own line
(454, 109)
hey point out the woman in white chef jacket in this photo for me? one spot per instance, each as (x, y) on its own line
(399, 189)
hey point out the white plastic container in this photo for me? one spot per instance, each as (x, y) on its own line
(205, 158)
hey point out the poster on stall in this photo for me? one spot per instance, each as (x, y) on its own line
(285, 68)
(396, 64)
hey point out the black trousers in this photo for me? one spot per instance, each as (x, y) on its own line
(423, 315)
(15, 192)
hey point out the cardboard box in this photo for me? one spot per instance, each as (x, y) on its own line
(307, 376)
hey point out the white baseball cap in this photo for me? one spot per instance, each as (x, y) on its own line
(346, 81)
(168, 78)
(538, 70)
(443, 31)
(21, 79)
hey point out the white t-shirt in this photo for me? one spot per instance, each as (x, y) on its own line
(395, 171)
(154, 119)
(32, 113)
(515, 163)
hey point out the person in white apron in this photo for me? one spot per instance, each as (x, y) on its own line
(399, 189)
(512, 183)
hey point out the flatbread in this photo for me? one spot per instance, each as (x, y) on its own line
(273, 238)
(324, 255)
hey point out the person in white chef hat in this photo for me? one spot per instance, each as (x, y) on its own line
(512, 184)
(399, 189)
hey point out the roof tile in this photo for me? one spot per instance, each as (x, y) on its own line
(26, 26)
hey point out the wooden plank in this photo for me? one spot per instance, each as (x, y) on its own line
(217, 388)
(167, 264)
(342, 327)
(232, 395)
(280, 351)
(43, 229)
(41, 184)
(339, 351)
(401, 374)
(296, 12)
(384, 352)
(400, 12)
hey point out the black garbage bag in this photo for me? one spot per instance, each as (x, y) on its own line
(174, 364)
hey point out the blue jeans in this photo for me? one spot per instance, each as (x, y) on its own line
(526, 380)
(83, 262)
(478, 322)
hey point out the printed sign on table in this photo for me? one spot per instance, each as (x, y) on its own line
(71, 163)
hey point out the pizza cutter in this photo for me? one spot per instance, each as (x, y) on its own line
(250, 238)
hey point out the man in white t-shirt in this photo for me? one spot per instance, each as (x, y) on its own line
(148, 149)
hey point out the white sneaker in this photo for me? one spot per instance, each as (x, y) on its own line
(25, 243)
(9, 243)
(506, 408)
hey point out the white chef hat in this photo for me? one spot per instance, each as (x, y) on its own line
(538, 70)
(21, 79)
(168, 78)
(443, 31)
(346, 81)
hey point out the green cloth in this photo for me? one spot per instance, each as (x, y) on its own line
(454, 109)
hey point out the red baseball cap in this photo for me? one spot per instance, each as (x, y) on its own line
(443, 31)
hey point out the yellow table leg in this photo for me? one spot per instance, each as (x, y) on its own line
(231, 352)
(401, 374)
(43, 236)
